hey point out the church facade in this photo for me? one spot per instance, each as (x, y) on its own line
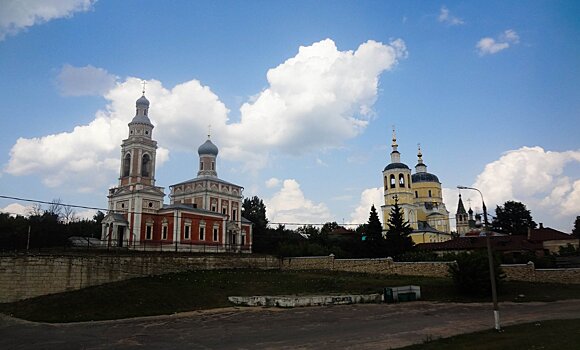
(203, 214)
(419, 195)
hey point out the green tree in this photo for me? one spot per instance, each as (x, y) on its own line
(470, 274)
(513, 218)
(254, 210)
(576, 230)
(398, 239)
(329, 227)
(374, 228)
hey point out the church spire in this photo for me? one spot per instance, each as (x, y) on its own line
(420, 167)
(395, 155)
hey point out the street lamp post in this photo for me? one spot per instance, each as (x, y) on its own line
(489, 258)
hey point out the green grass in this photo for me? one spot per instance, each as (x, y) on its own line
(545, 335)
(197, 290)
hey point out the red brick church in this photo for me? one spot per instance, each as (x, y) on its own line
(204, 213)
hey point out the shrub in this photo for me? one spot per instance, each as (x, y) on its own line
(471, 273)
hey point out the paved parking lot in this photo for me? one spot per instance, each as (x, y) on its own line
(362, 326)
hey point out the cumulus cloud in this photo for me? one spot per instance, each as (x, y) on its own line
(272, 182)
(84, 81)
(290, 205)
(490, 46)
(87, 157)
(16, 209)
(535, 177)
(315, 100)
(368, 197)
(16, 15)
(446, 17)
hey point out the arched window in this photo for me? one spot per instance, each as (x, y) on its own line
(408, 180)
(401, 180)
(386, 183)
(127, 165)
(429, 193)
(393, 181)
(200, 165)
(416, 194)
(146, 165)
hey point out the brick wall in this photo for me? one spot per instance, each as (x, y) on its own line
(23, 277)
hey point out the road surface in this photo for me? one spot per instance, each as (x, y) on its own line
(362, 326)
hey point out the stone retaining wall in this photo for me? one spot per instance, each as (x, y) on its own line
(385, 265)
(23, 277)
(528, 272)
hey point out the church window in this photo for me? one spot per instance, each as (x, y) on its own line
(416, 194)
(386, 183)
(127, 165)
(164, 231)
(224, 211)
(200, 165)
(212, 165)
(215, 233)
(408, 180)
(234, 214)
(401, 180)
(202, 233)
(146, 165)
(146, 132)
(187, 232)
(148, 231)
(243, 240)
(393, 181)
(150, 204)
(429, 193)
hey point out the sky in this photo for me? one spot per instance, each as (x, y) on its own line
(301, 97)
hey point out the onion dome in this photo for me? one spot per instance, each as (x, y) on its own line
(424, 177)
(208, 148)
(396, 166)
(142, 101)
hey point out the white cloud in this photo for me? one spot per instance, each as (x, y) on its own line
(290, 205)
(490, 46)
(16, 15)
(272, 182)
(536, 178)
(314, 101)
(84, 81)
(446, 17)
(370, 196)
(87, 157)
(16, 209)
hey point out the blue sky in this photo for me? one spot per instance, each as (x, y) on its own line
(490, 90)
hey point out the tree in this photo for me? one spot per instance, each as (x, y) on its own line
(374, 229)
(513, 218)
(398, 240)
(470, 274)
(254, 210)
(576, 230)
(329, 227)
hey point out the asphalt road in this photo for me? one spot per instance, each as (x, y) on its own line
(362, 326)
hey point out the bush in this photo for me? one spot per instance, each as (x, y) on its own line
(471, 273)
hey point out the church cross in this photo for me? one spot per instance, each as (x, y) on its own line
(144, 83)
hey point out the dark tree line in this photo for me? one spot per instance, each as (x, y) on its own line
(367, 240)
(46, 228)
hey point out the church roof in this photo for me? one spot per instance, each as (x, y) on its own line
(211, 178)
(424, 177)
(396, 166)
(142, 101)
(460, 207)
(208, 147)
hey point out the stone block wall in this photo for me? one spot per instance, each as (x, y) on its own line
(528, 272)
(23, 277)
(385, 266)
